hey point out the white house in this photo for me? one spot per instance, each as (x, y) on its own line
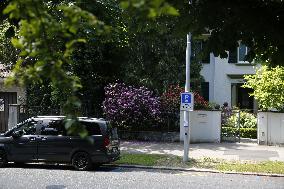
(224, 78)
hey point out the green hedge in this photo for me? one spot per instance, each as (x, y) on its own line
(244, 132)
(247, 120)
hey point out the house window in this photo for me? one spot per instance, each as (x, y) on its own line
(238, 55)
(198, 53)
(242, 52)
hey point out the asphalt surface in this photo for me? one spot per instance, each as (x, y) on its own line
(64, 177)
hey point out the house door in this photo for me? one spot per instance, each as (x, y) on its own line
(244, 100)
(6, 98)
(241, 98)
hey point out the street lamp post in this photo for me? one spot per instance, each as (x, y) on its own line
(185, 114)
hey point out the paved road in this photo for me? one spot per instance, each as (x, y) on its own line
(63, 177)
(228, 151)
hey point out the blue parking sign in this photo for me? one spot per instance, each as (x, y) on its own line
(185, 98)
(187, 102)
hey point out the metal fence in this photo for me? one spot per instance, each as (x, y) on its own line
(237, 124)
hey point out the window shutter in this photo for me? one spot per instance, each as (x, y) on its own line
(205, 90)
(233, 56)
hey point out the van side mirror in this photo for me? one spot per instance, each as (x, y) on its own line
(17, 134)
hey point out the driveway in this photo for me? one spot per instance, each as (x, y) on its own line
(227, 151)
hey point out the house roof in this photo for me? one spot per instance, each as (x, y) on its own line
(4, 71)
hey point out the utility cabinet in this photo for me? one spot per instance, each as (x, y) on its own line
(270, 128)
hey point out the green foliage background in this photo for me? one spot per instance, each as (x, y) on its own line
(268, 86)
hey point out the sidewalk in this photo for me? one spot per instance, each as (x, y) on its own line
(227, 151)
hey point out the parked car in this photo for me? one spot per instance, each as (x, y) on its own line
(45, 139)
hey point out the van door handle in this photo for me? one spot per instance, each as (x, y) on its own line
(32, 138)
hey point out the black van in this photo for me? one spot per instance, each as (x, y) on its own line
(45, 139)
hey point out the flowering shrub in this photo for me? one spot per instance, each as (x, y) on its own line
(129, 107)
(170, 100)
(200, 103)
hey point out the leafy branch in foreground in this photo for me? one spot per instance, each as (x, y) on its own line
(47, 38)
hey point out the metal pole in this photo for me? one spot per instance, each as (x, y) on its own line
(186, 113)
(239, 122)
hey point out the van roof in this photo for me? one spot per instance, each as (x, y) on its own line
(88, 119)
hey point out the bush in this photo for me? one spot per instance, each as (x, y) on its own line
(170, 100)
(244, 132)
(247, 120)
(268, 87)
(129, 108)
(200, 103)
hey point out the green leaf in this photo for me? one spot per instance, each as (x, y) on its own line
(83, 133)
(152, 13)
(73, 29)
(23, 53)
(170, 10)
(17, 43)
(124, 4)
(11, 7)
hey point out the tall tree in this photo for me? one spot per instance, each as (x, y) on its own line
(51, 35)
(157, 55)
(256, 23)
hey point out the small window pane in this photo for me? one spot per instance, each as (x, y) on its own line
(242, 52)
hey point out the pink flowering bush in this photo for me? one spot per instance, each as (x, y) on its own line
(170, 99)
(129, 107)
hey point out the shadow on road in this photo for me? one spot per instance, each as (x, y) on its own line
(66, 167)
(104, 168)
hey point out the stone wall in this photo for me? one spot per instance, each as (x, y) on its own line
(149, 136)
(205, 126)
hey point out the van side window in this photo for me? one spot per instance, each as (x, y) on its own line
(28, 128)
(92, 128)
(53, 128)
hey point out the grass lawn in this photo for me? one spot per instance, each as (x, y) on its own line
(208, 163)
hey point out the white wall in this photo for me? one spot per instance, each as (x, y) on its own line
(205, 126)
(218, 72)
(270, 128)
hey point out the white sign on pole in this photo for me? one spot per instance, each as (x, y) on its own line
(187, 102)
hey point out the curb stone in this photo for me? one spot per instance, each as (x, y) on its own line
(196, 170)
